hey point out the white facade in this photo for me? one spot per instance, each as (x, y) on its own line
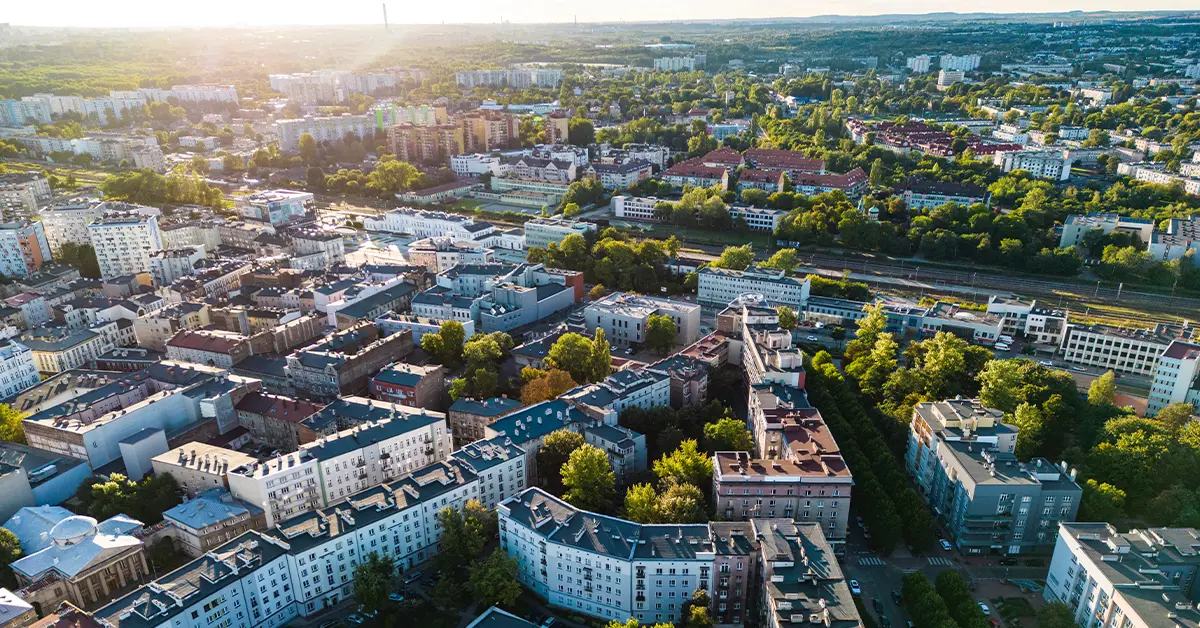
(427, 224)
(283, 487)
(635, 207)
(1041, 164)
(1174, 377)
(919, 64)
(474, 165)
(1121, 350)
(17, 368)
(326, 129)
(719, 286)
(167, 265)
(205, 93)
(623, 317)
(964, 63)
(124, 242)
(540, 232)
(759, 219)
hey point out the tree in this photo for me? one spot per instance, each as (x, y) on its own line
(784, 259)
(572, 353)
(570, 210)
(683, 503)
(869, 327)
(11, 428)
(1101, 502)
(641, 504)
(1103, 390)
(876, 177)
(555, 451)
(494, 581)
(308, 149)
(735, 258)
(391, 176)
(581, 132)
(10, 551)
(698, 617)
(315, 178)
(81, 257)
(589, 480)
(373, 581)
(446, 344)
(463, 536)
(685, 465)
(787, 317)
(550, 386)
(838, 334)
(728, 434)
(600, 357)
(660, 333)
(1175, 416)
(597, 292)
(1056, 615)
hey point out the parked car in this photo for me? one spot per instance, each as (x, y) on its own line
(412, 577)
(885, 622)
(1000, 346)
(1046, 363)
(629, 351)
(896, 597)
(354, 619)
(812, 339)
(945, 544)
(984, 607)
(549, 622)
(1079, 369)
(396, 597)
(854, 588)
(877, 605)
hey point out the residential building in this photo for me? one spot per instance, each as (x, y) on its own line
(852, 183)
(623, 317)
(921, 193)
(59, 349)
(919, 64)
(1041, 164)
(17, 613)
(495, 617)
(18, 370)
(22, 195)
(720, 286)
(658, 155)
(1076, 226)
(620, 174)
(123, 242)
(23, 248)
(427, 224)
(946, 78)
(68, 223)
(961, 457)
(439, 254)
(964, 63)
(212, 347)
(516, 77)
(167, 265)
(475, 164)
(557, 127)
(540, 232)
(469, 418)
(635, 207)
(1157, 173)
(341, 364)
(152, 330)
(324, 129)
(487, 130)
(210, 520)
(200, 467)
(680, 64)
(1143, 577)
(277, 421)
(581, 550)
(628, 388)
(689, 379)
(758, 218)
(371, 303)
(410, 385)
(425, 144)
(696, 173)
(766, 180)
(1175, 377)
(801, 578)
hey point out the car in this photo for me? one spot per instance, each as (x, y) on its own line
(396, 597)
(1079, 369)
(885, 622)
(688, 298)
(859, 520)
(329, 624)
(995, 624)
(1000, 346)
(854, 588)
(1008, 561)
(1045, 363)
(945, 544)
(629, 351)
(877, 605)
(812, 339)
(354, 619)
(984, 607)
(897, 598)
(412, 577)
(612, 348)
(549, 622)
(820, 325)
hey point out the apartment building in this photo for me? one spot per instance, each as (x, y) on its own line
(680, 64)
(720, 286)
(284, 487)
(696, 173)
(324, 129)
(154, 329)
(921, 193)
(210, 520)
(620, 174)
(440, 254)
(18, 370)
(919, 64)
(1076, 226)
(1041, 164)
(516, 77)
(275, 207)
(59, 349)
(623, 317)
(540, 232)
(68, 223)
(410, 385)
(342, 363)
(167, 265)
(1143, 577)
(469, 418)
(488, 130)
(628, 388)
(123, 242)
(1117, 348)
(961, 457)
(23, 248)
(277, 421)
(428, 224)
(758, 218)
(475, 164)
(852, 183)
(209, 346)
(601, 566)
(22, 195)
(801, 577)
(200, 467)
(1175, 377)
(557, 127)
(963, 63)
(425, 144)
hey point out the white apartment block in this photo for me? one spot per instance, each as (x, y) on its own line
(602, 566)
(521, 78)
(1076, 226)
(167, 265)
(1154, 173)
(124, 242)
(22, 194)
(1138, 579)
(17, 368)
(324, 129)
(23, 248)
(758, 218)
(623, 317)
(964, 63)
(427, 224)
(475, 164)
(205, 92)
(283, 487)
(946, 78)
(919, 64)
(540, 232)
(635, 207)
(1174, 377)
(1041, 164)
(679, 64)
(720, 286)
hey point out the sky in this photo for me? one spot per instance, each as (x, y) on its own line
(170, 13)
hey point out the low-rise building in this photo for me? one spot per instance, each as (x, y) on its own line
(277, 421)
(342, 363)
(1041, 164)
(410, 385)
(623, 317)
(720, 286)
(210, 520)
(540, 232)
(635, 207)
(972, 325)
(766, 180)
(618, 175)
(1175, 377)
(921, 193)
(961, 457)
(469, 418)
(1119, 349)
(199, 467)
(1076, 226)
(696, 173)
(758, 218)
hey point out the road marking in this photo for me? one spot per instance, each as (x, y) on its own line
(871, 561)
(937, 560)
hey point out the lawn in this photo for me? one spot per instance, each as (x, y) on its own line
(1013, 608)
(703, 236)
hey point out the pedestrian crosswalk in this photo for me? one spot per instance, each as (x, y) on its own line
(938, 561)
(871, 561)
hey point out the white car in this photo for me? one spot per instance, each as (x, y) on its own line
(812, 338)
(945, 544)
(984, 607)
(854, 588)
(1045, 363)
(1000, 346)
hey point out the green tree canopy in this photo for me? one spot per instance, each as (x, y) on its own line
(589, 480)
(556, 449)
